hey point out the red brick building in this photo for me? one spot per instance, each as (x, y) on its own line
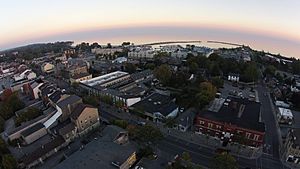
(237, 120)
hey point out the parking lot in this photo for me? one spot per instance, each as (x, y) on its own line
(230, 89)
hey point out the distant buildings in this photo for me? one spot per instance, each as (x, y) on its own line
(47, 67)
(26, 75)
(141, 53)
(106, 51)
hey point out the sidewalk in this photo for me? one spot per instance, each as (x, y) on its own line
(191, 137)
(212, 143)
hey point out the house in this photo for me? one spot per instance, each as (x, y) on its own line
(185, 120)
(291, 148)
(285, 116)
(236, 120)
(156, 107)
(67, 106)
(85, 118)
(68, 132)
(80, 77)
(27, 74)
(233, 77)
(33, 133)
(112, 150)
(41, 153)
(142, 53)
(74, 67)
(106, 51)
(34, 90)
(47, 67)
(281, 104)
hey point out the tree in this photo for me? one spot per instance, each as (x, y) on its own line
(3, 147)
(270, 70)
(30, 114)
(170, 122)
(15, 103)
(130, 68)
(205, 94)
(217, 81)
(215, 69)
(9, 162)
(91, 100)
(125, 43)
(148, 134)
(163, 73)
(109, 45)
(186, 156)
(251, 73)
(296, 67)
(224, 161)
(2, 122)
(121, 123)
(296, 100)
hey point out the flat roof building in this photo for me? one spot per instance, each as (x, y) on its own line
(237, 117)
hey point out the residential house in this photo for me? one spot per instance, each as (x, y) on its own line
(110, 151)
(285, 116)
(233, 77)
(67, 106)
(291, 148)
(85, 118)
(41, 153)
(185, 120)
(68, 132)
(156, 107)
(47, 67)
(34, 90)
(80, 77)
(27, 74)
(33, 133)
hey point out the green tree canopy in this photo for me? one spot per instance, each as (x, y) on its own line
(224, 161)
(148, 134)
(163, 73)
(250, 73)
(9, 162)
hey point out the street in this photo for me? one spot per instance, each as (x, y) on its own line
(203, 155)
(272, 136)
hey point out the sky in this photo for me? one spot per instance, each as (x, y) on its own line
(269, 25)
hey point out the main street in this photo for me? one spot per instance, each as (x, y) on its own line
(203, 155)
(268, 117)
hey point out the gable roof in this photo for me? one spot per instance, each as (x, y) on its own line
(156, 103)
(79, 109)
(69, 100)
(41, 151)
(32, 129)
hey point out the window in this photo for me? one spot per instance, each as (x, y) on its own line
(219, 127)
(210, 125)
(201, 122)
(256, 137)
(248, 135)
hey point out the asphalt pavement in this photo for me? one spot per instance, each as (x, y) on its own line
(203, 155)
(268, 117)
